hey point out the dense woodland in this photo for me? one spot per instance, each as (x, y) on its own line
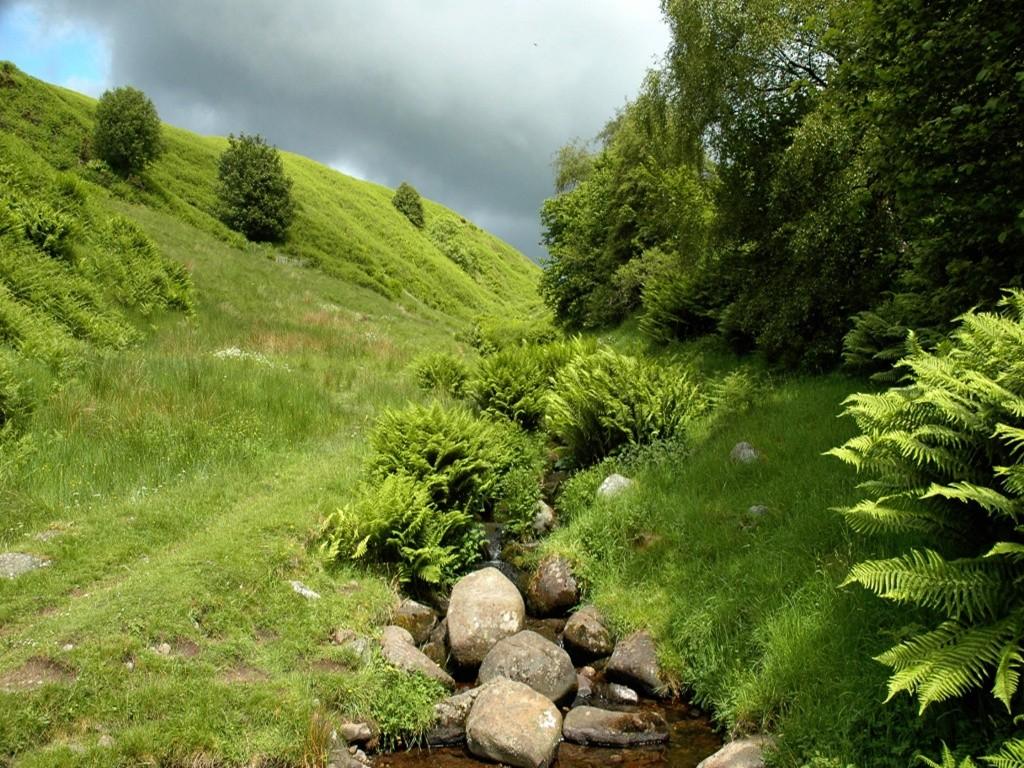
(810, 179)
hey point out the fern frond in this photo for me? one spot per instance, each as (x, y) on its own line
(991, 501)
(1010, 755)
(1012, 436)
(948, 760)
(873, 517)
(1007, 677)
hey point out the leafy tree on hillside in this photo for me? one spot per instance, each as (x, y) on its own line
(127, 132)
(255, 195)
(408, 202)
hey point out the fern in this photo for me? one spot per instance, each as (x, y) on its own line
(1011, 755)
(948, 760)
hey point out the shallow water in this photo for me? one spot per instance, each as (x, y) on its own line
(691, 739)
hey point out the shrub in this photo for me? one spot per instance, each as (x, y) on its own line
(463, 461)
(446, 235)
(604, 401)
(943, 455)
(127, 133)
(677, 302)
(254, 194)
(47, 228)
(511, 383)
(396, 523)
(407, 201)
(441, 371)
(490, 334)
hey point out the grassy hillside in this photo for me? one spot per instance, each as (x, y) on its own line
(173, 458)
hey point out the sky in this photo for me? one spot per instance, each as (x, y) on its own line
(468, 100)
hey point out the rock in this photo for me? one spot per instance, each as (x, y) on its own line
(613, 485)
(513, 724)
(164, 649)
(485, 607)
(450, 724)
(14, 564)
(553, 588)
(417, 618)
(634, 662)
(436, 647)
(744, 453)
(543, 519)
(590, 725)
(305, 591)
(529, 658)
(742, 753)
(357, 733)
(758, 510)
(356, 644)
(584, 686)
(549, 629)
(586, 636)
(398, 650)
(621, 694)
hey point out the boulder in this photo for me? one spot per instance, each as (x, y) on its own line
(634, 662)
(621, 694)
(450, 719)
(613, 485)
(550, 629)
(543, 519)
(436, 646)
(399, 651)
(356, 644)
(742, 753)
(417, 618)
(586, 636)
(590, 725)
(485, 607)
(531, 659)
(513, 724)
(553, 588)
(744, 453)
(357, 732)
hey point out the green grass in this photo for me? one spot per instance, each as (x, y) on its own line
(175, 476)
(747, 611)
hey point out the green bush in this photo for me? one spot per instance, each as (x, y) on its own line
(944, 458)
(127, 133)
(396, 523)
(462, 460)
(407, 201)
(511, 383)
(490, 334)
(255, 195)
(446, 235)
(44, 226)
(440, 371)
(604, 401)
(676, 302)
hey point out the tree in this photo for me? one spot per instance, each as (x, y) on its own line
(407, 201)
(127, 133)
(255, 195)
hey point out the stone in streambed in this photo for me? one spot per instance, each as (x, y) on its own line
(531, 659)
(553, 588)
(543, 519)
(450, 719)
(742, 753)
(417, 618)
(485, 607)
(513, 724)
(586, 636)
(398, 650)
(602, 727)
(634, 662)
(436, 647)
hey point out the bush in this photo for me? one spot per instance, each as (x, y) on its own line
(47, 228)
(440, 371)
(254, 193)
(446, 235)
(944, 458)
(397, 524)
(407, 201)
(490, 334)
(604, 401)
(511, 383)
(677, 302)
(127, 133)
(463, 461)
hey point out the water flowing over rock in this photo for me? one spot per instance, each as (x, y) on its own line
(553, 588)
(590, 725)
(398, 650)
(634, 662)
(485, 607)
(613, 485)
(742, 753)
(531, 659)
(513, 724)
(586, 636)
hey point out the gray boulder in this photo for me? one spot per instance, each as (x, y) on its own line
(742, 753)
(513, 724)
(553, 588)
(586, 636)
(531, 659)
(436, 646)
(485, 607)
(613, 485)
(417, 618)
(543, 519)
(634, 662)
(590, 725)
(399, 651)
(450, 719)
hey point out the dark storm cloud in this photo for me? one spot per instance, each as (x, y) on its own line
(468, 99)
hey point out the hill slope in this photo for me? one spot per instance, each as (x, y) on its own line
(174, 456)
